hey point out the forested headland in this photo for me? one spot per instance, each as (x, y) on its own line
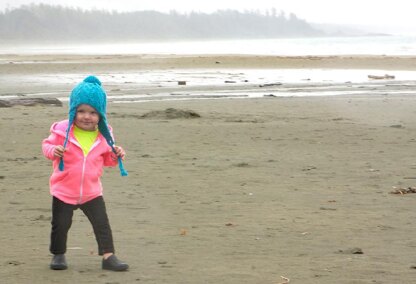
(52, 23)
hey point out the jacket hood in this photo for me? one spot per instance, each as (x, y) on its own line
(60, 127)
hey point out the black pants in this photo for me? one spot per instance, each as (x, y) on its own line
(62, 219)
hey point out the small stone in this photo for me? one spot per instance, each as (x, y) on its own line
(351, 251)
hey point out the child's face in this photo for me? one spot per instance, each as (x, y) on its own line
(87, 117)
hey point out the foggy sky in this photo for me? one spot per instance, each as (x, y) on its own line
(389, 16)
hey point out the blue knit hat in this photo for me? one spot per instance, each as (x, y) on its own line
(91, 93)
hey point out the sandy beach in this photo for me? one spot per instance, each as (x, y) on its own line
(253, 191)
(64, 63)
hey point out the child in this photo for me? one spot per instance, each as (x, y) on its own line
(79, 148)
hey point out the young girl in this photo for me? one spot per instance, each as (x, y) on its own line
(79, 148)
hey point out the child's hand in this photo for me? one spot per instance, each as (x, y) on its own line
(120, 152)
(59, 151)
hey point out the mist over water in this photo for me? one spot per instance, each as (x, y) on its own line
(48, 29)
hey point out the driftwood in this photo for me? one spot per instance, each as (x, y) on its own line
(285, 280)
(30, 102)
(383, 77)
(270, 85)
(403, 190)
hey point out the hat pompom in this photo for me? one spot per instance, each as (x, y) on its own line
(92, 80)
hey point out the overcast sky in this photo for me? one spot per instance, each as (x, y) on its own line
(394, 15)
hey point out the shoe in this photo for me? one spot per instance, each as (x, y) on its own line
(114, 264)
(58, 262)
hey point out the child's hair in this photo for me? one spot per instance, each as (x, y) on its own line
(90, 92)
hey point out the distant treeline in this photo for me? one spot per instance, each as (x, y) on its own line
(45, 22)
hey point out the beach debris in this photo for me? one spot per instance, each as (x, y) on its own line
(241, 165)
(309, 168)
(383, 77)
(270, 85)
(403, 190)
(171, 113)
(14, 262)
(351, 251)
(217, 62)
(396, 126)
(30, 102)
(413, 266)
(181, 83)
(184, 232)
(285, 280)
(230, 81)
(239, 120)
(327, 208)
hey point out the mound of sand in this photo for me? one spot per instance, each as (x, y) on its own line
(171, 113)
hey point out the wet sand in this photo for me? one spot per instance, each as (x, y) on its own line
(155, 77)
(253, 190)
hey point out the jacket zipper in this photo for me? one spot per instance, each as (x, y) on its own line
(81, 190)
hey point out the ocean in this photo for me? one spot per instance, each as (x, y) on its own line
(363, 45)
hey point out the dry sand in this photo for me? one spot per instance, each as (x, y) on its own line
(65, 63)
(253, 190)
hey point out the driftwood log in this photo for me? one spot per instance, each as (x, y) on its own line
(383, 77)
(30, 102)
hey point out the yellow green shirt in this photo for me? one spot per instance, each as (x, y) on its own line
(85, 138)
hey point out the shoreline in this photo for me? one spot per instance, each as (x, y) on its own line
(53, 75)
(157, 77)
(62, 63)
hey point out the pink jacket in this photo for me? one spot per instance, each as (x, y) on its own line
(80, 181)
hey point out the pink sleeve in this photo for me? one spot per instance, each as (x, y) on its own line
(49, 144)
